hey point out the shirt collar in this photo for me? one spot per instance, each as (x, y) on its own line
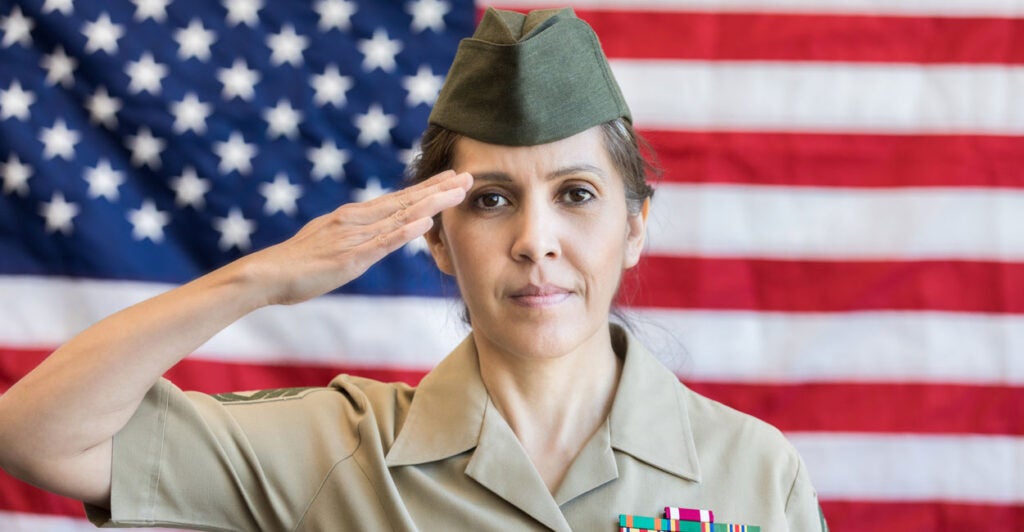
(447, 412)
(648, 403)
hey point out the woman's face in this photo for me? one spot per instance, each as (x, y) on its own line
(540, 243)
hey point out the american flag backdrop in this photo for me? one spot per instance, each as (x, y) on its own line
(836, 246)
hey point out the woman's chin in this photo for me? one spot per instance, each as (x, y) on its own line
(537, 340)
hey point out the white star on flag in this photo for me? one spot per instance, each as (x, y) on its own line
(330, 87)
(409, 155)
(190, 189)
(243, 12)
(235, 230)
(154, 9)
(375, 126)
(379, 51)
(423, 87)
(16, 175)
(235, 154)
(328, 161)
(59, 68)
(287, 46)
(59, 214)
(281, 195)
(102, 34)
(17, 28)
(148, 222)
(146, 74)
(428, 14)
(146, 149)
(103, 108)
(194, 41)
(59, 141)
(335, 14)
(282, 120)
(239, 81)
(103, 181)
(14, 102)
(190, 114)
(64, 6)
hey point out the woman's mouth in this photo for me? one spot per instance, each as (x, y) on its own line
(539, 296)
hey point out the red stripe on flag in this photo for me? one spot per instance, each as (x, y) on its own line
(217, 377)
(840, 407)
(635, 34)
(782, 285)
(17, 496)
(926, 515)
(869, 407)
(839, 160)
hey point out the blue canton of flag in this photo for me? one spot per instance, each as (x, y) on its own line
(158, 139)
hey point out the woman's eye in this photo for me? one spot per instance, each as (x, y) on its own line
(577, 195)
(490, 200)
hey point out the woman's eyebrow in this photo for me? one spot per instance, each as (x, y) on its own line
(500, 177)
(503, 177)
(579, 169)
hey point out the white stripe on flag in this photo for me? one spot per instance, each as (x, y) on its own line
(840, 223)
(704, 345)
(842, 347)
(823, 96)
(941, 8)
(406, 332)
(914, 467)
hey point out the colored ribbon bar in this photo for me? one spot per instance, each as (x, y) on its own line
(702, 527)
(689, 514)
(641, 522)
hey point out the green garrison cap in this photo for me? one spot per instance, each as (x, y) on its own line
(523, 80)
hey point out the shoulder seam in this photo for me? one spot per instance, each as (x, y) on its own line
(792, 485)
(327, 475)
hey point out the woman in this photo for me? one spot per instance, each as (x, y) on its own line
(531, 194)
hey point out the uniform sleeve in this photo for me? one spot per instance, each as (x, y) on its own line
(802, 509)
(189, 460)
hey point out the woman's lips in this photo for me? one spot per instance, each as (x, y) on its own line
(535, 296)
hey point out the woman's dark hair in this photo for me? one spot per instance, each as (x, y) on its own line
(629, 152)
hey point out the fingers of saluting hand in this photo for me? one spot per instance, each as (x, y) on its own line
(424, 199)
(391, 221)
(337, 247)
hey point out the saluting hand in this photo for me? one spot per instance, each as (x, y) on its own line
(335, 248)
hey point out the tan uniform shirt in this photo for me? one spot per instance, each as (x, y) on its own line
(365, 455)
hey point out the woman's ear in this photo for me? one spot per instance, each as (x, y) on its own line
(636, 235)
(438, 244)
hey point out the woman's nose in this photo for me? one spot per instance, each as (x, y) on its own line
(536, 233)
